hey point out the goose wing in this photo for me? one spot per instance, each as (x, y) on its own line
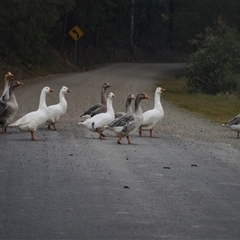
(122, 121)
(94, 110)
(234, 121)
(3, 106)
(5, 96)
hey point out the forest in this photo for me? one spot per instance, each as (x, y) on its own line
(35, 33)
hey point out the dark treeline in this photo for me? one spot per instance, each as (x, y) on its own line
(31, 29)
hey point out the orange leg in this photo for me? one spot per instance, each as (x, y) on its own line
(33, 138)
(54, 126)
(101, 135)
(151, 134)
(129, 142)
(119, 140)
(4, 130)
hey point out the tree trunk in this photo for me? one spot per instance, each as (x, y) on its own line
(170, 25)
(132, 27)
(97, 30)
(64, 31)
(154, 34)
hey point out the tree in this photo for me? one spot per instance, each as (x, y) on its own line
(26, 28)
(210, 69)
(132, 27)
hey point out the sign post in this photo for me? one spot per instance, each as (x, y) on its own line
(76, 33)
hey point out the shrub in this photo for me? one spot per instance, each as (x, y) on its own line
(213, 66)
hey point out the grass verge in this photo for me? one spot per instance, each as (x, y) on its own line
(219, 108)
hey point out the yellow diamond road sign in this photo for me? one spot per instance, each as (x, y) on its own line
(76, 33)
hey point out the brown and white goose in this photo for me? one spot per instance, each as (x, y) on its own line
(5, 94)
(234, 124)
(152, 117)
(31, 121)
(99, 107)
(9, 108)
(129, 123)
(128, 107)
(99, 122)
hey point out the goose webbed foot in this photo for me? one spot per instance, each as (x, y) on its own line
(129, 142)
(151, 134)
(54, 127)
(102, 136)
(119, 140)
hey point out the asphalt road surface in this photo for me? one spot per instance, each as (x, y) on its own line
(184, 184)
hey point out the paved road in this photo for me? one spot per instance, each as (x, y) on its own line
(71, 185)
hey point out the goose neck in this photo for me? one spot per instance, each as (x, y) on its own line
(109, 105)
(127, 104)
(157, 100)
(6, 84)
(103, 96)
(42, 101)
(61, 96)
(138, 108)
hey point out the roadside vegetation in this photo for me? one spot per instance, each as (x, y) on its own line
(214, 66)
(219, 107)
(209, 84)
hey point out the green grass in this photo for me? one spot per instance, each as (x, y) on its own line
(219, 108)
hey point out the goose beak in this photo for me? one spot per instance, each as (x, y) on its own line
(69, 90)
(51, 90)
(19, 83)
(146, 96)
(9, 74)
(113, 95)
(162, 89)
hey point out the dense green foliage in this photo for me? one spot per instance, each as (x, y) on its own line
(114, 30)
(213, 66)
(26, 28)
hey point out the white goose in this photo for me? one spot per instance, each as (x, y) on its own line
(129, 123)
(99, 107)
(55, 112)
(99, 122)
(234, 124)
(31, 121)
(10, 107)
(128, 107)
(152, 117)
